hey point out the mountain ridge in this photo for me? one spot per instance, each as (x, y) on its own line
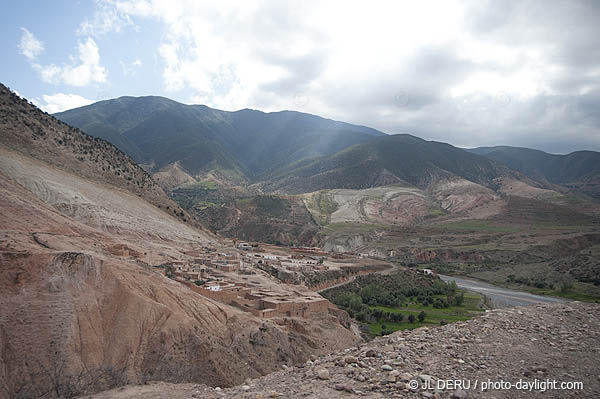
(578, 170)
(245, 143)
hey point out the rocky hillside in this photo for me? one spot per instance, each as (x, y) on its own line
(32, 132)
(82, 305)
(537, 343)
(264, 218)
(579, 170)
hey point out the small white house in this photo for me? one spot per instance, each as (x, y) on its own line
(428, 271)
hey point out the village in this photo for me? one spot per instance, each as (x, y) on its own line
(249, 277)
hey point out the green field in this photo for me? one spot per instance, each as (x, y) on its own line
(434, 317)
(200, 185)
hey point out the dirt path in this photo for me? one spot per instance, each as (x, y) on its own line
(339, 284)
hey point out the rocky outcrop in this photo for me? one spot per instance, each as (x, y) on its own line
(538, 343)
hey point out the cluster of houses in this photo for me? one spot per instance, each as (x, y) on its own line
(203, 274)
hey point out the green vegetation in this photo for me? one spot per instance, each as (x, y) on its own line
(411, 311)
(204, 204)
(403, 300)
(326, 203)
(197, 196)
(207, 185)
(574, 295)
(479, 225)
(321, 205)
(265, 205)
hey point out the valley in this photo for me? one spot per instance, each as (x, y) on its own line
(303, 200)
(229, 268)
(481, 213)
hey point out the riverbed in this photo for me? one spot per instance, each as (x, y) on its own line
(502, 297)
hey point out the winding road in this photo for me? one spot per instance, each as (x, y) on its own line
(502, 297)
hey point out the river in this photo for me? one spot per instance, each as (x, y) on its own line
(502, 297)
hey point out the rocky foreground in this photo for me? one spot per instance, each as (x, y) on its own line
(520, 350)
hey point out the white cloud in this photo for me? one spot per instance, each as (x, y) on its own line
(453, 64)
(30, 46)
(81, 72)
(61, 102)
(106, 19)
(131, 68)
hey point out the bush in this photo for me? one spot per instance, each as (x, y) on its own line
(411, 318)
(422, 316)
(565, 287)
(458, 300)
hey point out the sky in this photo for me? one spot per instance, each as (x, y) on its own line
(470, 73)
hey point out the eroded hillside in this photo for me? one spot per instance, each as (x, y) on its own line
(34, 133)
(546, 343)
(82, 305)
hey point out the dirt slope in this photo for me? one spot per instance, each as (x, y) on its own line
(543, 342)
(28, 130)
(81, 307)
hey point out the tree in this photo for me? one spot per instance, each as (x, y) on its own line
(397, 317)
(565, 287)
(422, 316)
(411, 318)
(459, 299)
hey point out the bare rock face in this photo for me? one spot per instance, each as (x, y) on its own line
(536, 343)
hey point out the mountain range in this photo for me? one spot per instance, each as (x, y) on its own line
(293, 152)
(224, 166)
(579, 170)
(89, 226)
(241, 146)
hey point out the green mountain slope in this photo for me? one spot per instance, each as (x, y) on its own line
(246, 144)
(578, 170)
(397, 159)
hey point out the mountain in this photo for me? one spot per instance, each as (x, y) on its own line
(578, 170)
(241, 145)
(397, 159)
(85, 303)
(253, 176)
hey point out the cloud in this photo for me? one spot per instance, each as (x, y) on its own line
(30, 46)
(131, 68)
(106, 19)
(468, 73)
(61, 102)
(81, 72)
